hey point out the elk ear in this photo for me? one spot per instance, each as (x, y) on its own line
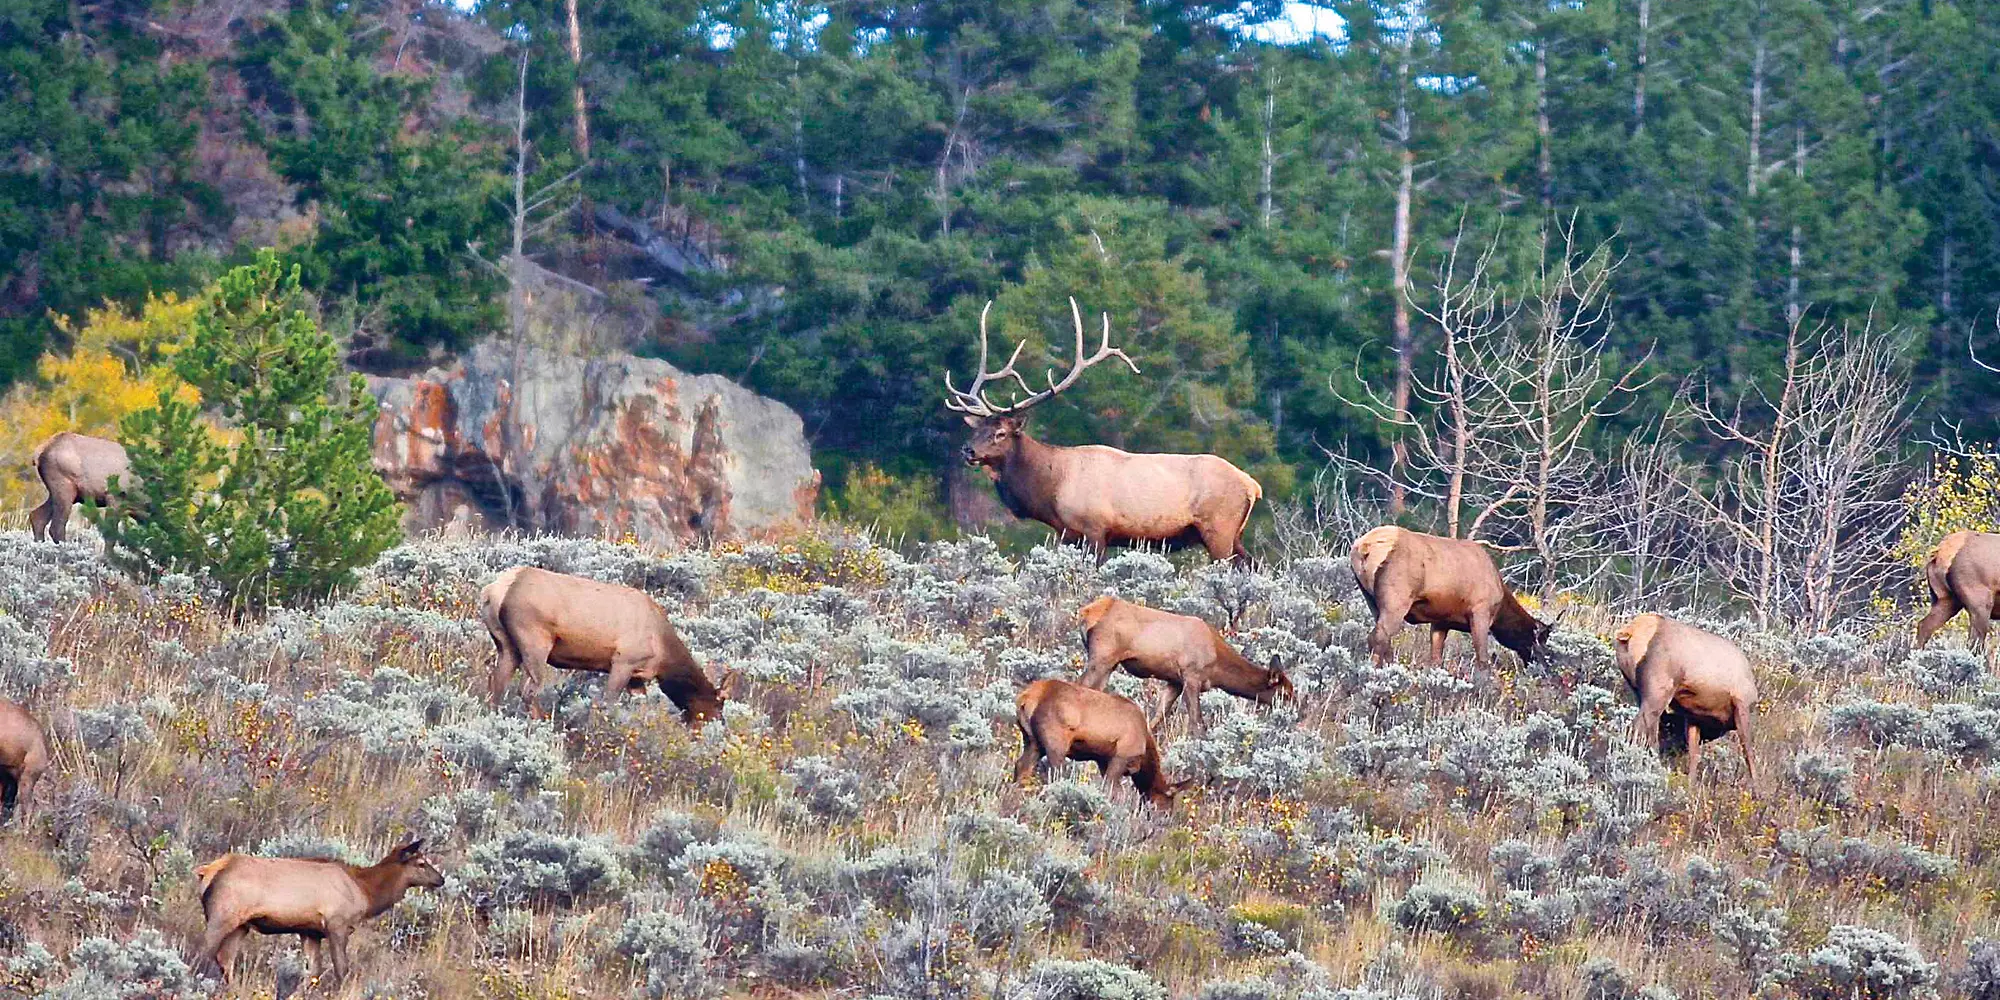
(1013, 422)
(971, 421)
(732, 679)
(411, 851)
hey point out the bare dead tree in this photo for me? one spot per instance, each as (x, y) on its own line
(1522, 384)
(1638, 520)
(1805, 516)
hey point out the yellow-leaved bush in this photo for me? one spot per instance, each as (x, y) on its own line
(1959, 494)
(118, 362)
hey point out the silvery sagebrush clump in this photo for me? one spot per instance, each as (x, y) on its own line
(1825, 777)
(669, 948)
(524, 867)
(1258, 749)
(1858, 961)
(1943, 671)
(826, 789)
(144, 967)
(1088, 979)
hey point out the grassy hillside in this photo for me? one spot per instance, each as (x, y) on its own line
(850, 828)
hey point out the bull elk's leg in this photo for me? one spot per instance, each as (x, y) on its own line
(1742, 713)
(1943, 607)
(24, 796)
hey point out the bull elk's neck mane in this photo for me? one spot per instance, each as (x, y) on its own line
(1515, 627)
(1028, 479)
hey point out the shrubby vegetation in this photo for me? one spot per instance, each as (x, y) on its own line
(850, 825)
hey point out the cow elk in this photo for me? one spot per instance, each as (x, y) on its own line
(24, 755)
(538, 618)
(1702, 678)
(74, 467)
(1184, 651)
(1449, 584)
(1964, 575)
(320, 901)
(1063, 721)
(1100, 495)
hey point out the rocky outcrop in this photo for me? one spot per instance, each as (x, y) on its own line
(616, 446)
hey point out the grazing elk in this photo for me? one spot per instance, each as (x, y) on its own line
(1964, 574)
(1063, 721)
(24, 755)
(1182, 650)
(1101, 495)
(74, 467)
(320, 901)
(1703, 678)
(537, 618)
(1447, 583)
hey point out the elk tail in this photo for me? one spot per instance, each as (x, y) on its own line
(1937, 569)
(1371, 551)
(208, 872)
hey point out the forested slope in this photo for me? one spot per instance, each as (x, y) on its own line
(830, 191)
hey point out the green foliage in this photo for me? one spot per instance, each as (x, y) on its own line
(398, 209)
(289, 510)
(897, 508)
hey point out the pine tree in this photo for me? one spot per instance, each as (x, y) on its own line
(292, 507)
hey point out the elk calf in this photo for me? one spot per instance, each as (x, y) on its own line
(537, 618)
(1964, 575)
(1062, 721)
(1100, 495)
(1703, 678)
(1184, 651)
(74, 467)
(320, 901)
(24, 755)
(1447, 583)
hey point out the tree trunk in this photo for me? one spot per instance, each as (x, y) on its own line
(1793, 306)
(1399, 270)
(1639, 71)
(581, 122)
(1544, 165)
(1269, 161)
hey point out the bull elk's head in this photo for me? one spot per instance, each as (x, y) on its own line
(997, 427)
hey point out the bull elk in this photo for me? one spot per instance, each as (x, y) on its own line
(538, 618)
(1098, 494)
(320, 901)
(1964, 575)
(1702, 678)
(1182, 650)
(74, 467)
(1063, 721)
(1449, 584)
(24, 755)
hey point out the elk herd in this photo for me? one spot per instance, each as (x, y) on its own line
(1680, 675)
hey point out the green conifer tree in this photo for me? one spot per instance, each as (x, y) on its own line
(292, 507)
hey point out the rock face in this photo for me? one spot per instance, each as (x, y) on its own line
(615, 446)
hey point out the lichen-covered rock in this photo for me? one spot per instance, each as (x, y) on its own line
(612, 446)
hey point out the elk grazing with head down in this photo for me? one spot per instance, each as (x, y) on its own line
(1062, 721)
(538, 618)
(320, 901)
(1101, 495)
(1182, 650)
(74, 467)
(24, 755)
(1449, 584)
(1702, 678)
(1964, 575)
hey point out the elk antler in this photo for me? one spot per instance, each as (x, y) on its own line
(974, 401)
